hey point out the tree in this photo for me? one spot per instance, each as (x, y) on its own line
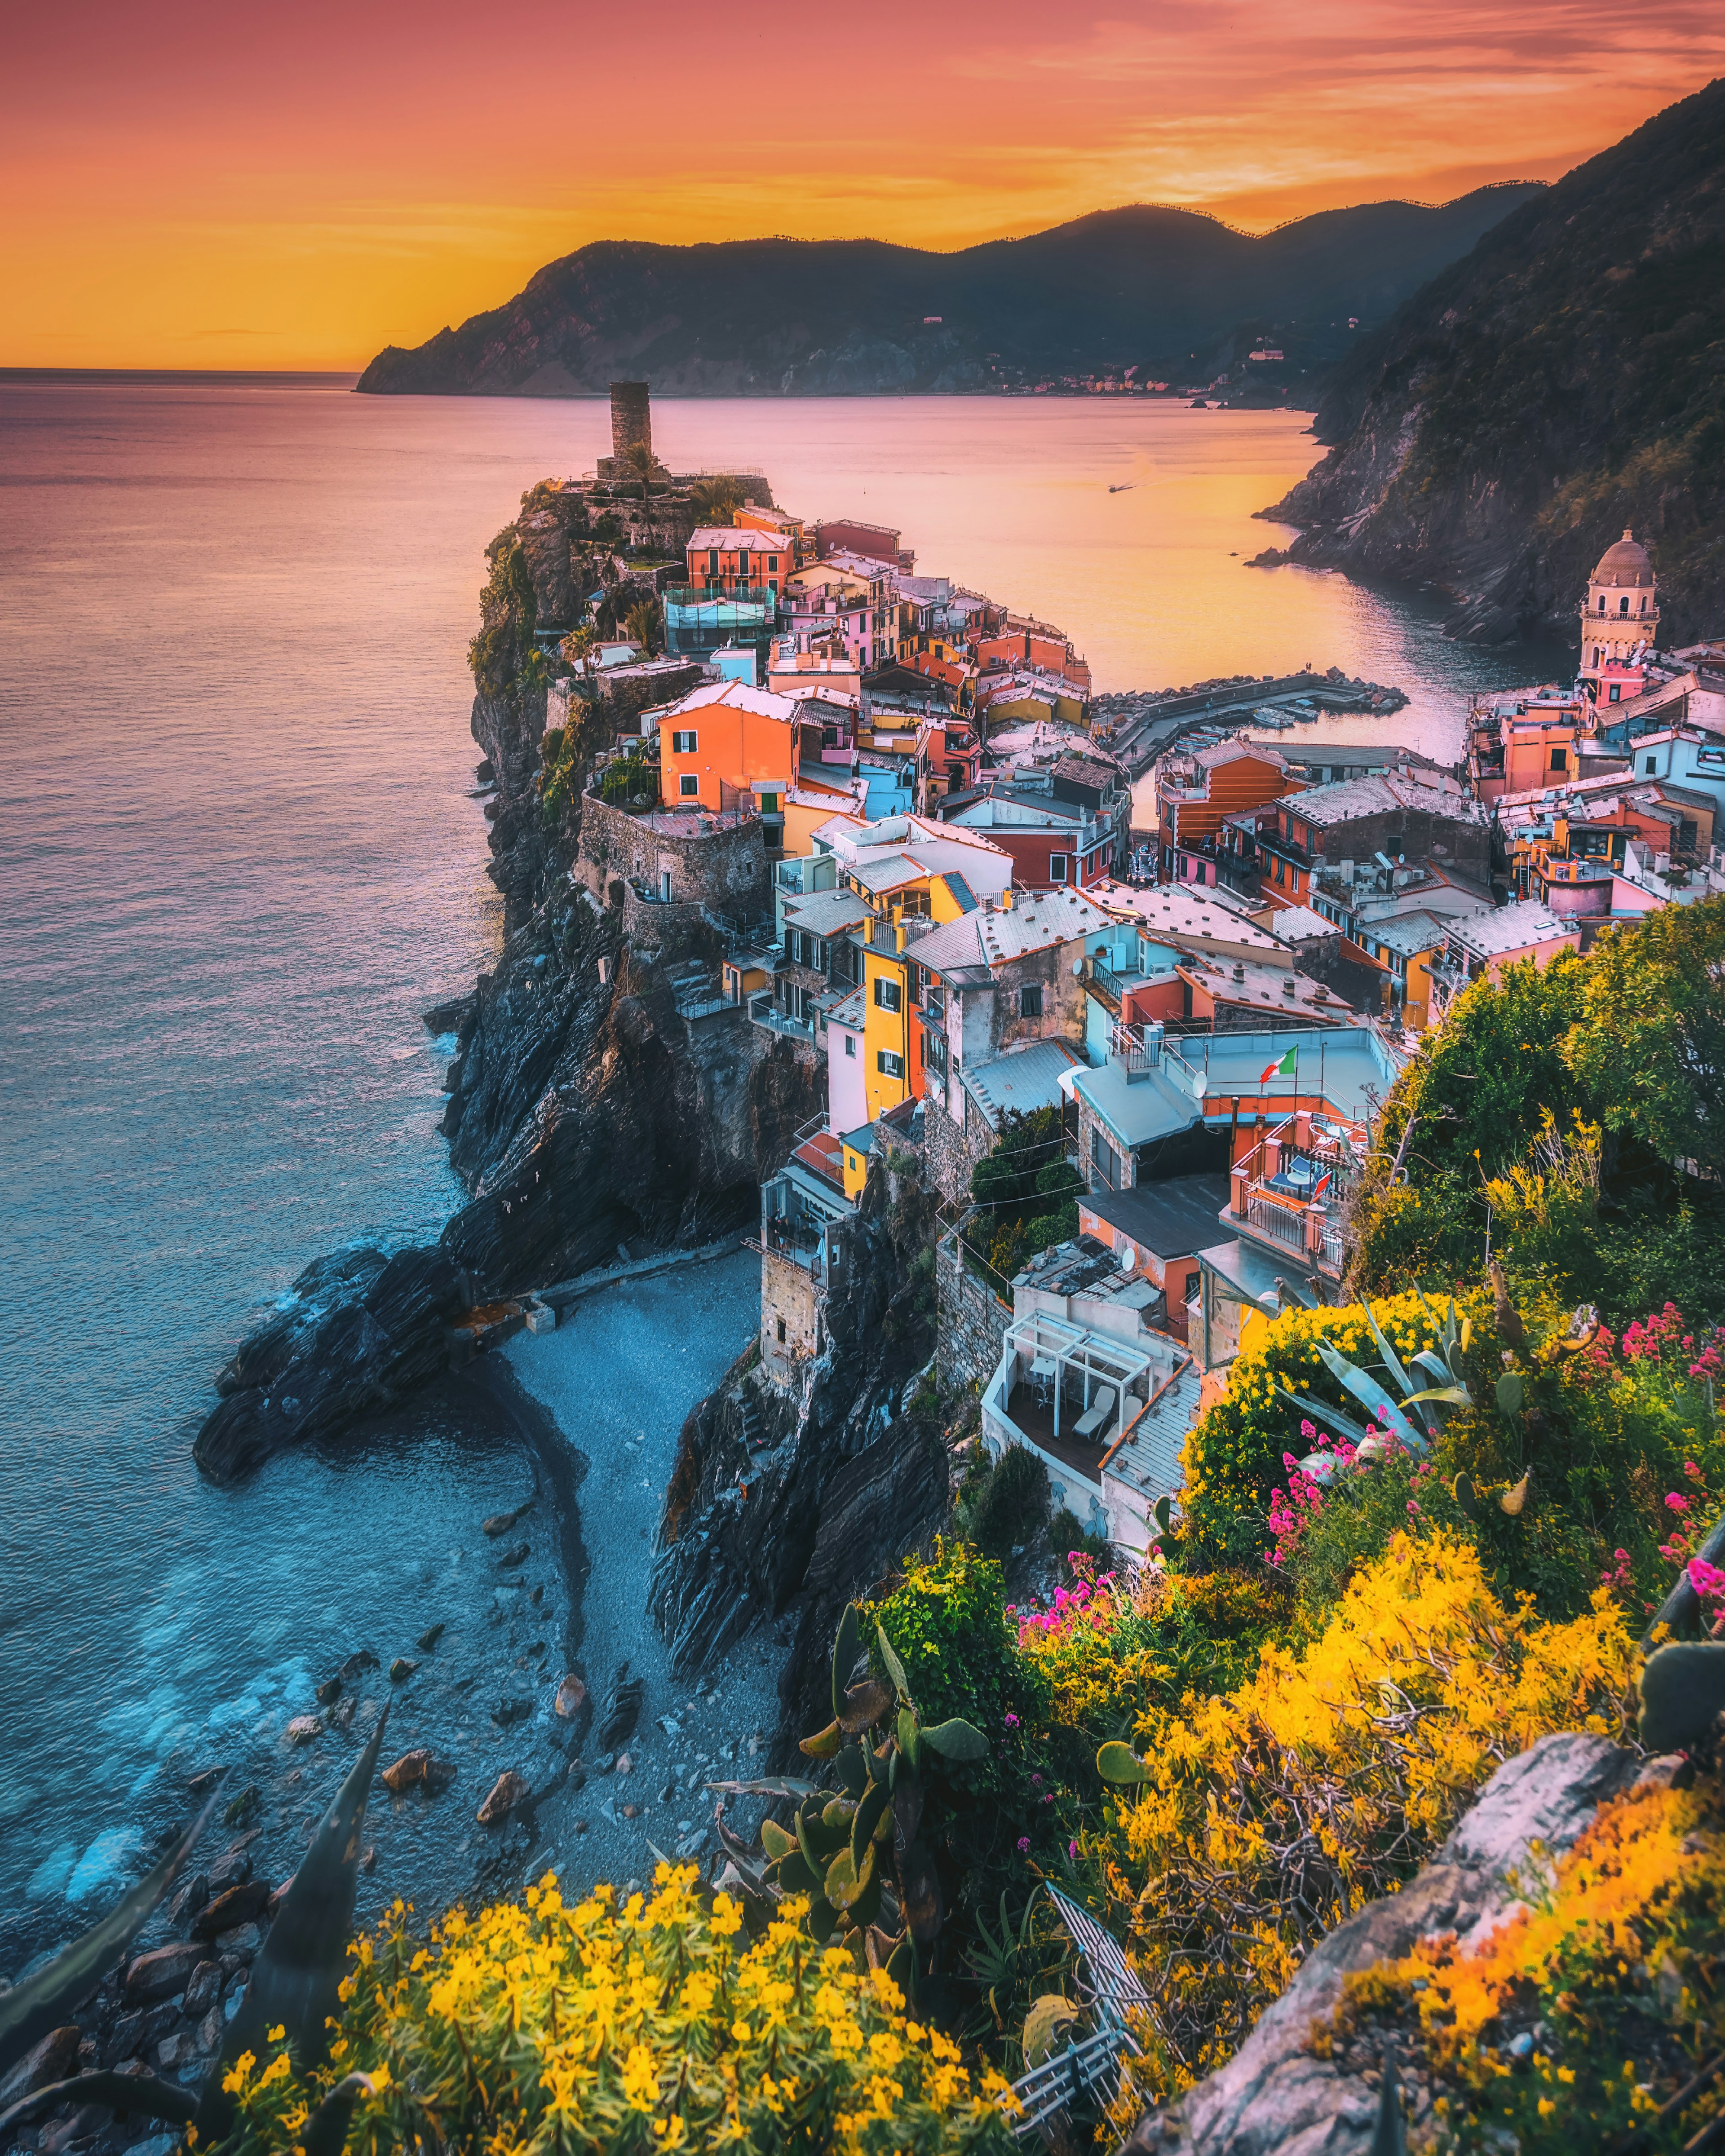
(717, 498)
(642, 462)
(578, 644)
(645, 625)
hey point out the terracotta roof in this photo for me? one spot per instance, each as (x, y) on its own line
(1627, 562)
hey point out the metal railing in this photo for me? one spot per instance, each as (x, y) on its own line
(763, 1011)
(1281, 1223)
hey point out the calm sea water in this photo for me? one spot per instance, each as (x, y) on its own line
(239, 855)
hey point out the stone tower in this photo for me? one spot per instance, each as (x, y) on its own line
(631, 418)
(1620, 622)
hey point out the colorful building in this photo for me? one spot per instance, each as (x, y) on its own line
(1195, 793)
(725, 560)
(728, 747)
(1619, 622)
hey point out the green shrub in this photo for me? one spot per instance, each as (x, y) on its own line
(1008, 1505)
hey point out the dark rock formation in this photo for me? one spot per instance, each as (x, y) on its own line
(1558, 384)
(849, 1479)
(587, 1112)
(1275, 2092)
(771, 317)
(358, 1333)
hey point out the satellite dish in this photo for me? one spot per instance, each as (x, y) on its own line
(1128, 1257)
(1078, 969)
(1200, 1086)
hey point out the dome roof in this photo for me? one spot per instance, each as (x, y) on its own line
(1627, 562)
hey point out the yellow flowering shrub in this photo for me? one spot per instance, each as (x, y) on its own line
(1270, 1813)
(652, 2026)
(1583, 2016)
(1232, 1454)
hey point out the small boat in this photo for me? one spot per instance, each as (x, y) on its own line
(1198, 404)
(1125, 486)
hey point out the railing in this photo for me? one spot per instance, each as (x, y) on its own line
(1107, 980)
(763, 1011)
(1281, 1223)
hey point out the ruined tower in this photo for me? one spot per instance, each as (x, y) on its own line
(631, 418)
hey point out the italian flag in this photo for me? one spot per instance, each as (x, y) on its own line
(1284, 1069)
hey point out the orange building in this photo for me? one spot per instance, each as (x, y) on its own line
(726, 740)
(727, 559)
(1195, 793)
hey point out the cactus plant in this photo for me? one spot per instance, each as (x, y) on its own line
(1682, 1689)
(854, 1850)
(1120, 1764)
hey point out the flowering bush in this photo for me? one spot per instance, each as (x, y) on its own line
(1272, 1813)
(1234, 1452)
(1585, 2013)
(652, 2026)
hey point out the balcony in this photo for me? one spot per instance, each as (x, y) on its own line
(1288, 1191)
(764, 1012)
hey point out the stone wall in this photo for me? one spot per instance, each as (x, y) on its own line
(790, 1319)
(953, 1148)
(724, 869)
(970, 1324)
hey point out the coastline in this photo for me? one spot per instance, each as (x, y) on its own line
(665, 1339)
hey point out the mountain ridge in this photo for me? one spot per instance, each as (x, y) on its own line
(1139, 284)
(1562, 381)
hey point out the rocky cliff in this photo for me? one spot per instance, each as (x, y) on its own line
(857, 317)
(1564, 381)
(795, 1502)
(1282, 2091)
(586, 1109)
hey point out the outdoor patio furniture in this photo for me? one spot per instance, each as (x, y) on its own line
(1096, 1416)
(1042, 1376)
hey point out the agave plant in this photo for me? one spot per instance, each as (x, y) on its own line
(1417, 1417)
(854, 1849)
(293, 1983)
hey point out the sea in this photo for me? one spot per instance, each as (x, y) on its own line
(241, 851)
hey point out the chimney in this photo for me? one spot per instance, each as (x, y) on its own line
(1288, 988)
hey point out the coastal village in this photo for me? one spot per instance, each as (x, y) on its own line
(886, 822)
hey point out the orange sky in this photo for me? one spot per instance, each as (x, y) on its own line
(199, 185)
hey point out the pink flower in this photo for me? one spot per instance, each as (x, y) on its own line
(1036, 1781)
(1677, 1502)
(1412, 1508)
(1707, 1580)
(1012, 1722)
(1072, 1849)
(1024, 1845)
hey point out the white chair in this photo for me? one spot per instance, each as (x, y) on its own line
(1096, 1416)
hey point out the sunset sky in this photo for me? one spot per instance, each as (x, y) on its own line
(196, 185)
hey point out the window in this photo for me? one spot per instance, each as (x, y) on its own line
(1616, 691)
(769, 801)
(1623, 604)
(1030, 1002)
(772, 561)
(889, 1064)
(779, 1326)
(886, 993)
(1650, 767)
(1643, 607)
(1560, 759)
(1602, 603)
(683, 744)
(850, 1043)
(1057, 868)
(712, 570)
(1105, 1160)
(689, 785)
